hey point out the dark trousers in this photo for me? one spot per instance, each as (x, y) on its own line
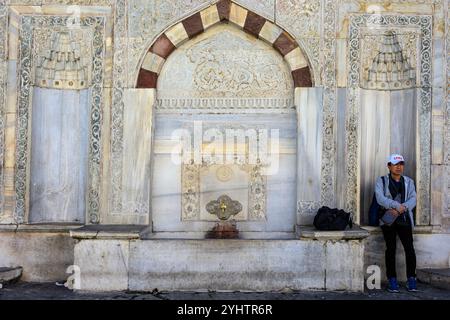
(406, 237)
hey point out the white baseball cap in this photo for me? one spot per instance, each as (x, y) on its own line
(395, 158)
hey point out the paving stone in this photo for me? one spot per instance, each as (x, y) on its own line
(50, 291)
(436, 277)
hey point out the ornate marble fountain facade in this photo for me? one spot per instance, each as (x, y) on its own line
(91, 92)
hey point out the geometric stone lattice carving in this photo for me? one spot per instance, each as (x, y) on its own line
(65, 65)
(390, 69)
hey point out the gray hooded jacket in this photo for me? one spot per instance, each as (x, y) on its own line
(384, 197)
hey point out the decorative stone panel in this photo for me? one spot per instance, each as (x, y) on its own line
(146, 19)
(389, 69)
(329, 123)
(225, 71)
(65, 62)
(29, 25)
(254, 202)
(422, 24)
(3, 79)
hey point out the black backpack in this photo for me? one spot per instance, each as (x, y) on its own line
(332, 219)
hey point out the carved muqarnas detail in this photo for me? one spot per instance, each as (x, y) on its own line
(63, 65)
(390, 69)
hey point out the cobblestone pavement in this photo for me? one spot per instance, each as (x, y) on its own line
(51, 291)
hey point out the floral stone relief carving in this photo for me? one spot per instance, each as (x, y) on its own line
(146, 19)
(225, 63)
(300, 17)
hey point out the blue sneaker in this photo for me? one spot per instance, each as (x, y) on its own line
(393, 285)
(411, 285)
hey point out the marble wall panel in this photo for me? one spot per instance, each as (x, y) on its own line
(166, 183)
(338, 275)
(44, 256)
(438, 187)
(388, 125)
(438, 126)
(103, 264)
(224, 264)
(309, 116)
(59, 148)
(439, 57)
(137, 139)
(403, 127)
(340, 147)
(375, 143)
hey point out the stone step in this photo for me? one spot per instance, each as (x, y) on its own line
(436, 277)
(10, 274)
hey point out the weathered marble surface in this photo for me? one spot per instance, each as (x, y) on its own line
(103, 264)
(138, 120)
(44, 256)
(246, 265)
(309, 145)
(438, 188)
(166, 185)
(59, 151)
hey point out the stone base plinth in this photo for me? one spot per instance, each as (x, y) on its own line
(108, 264)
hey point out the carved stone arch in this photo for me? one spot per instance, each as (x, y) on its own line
(223, 11)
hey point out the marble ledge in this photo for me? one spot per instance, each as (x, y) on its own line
(417, 229)
(40, 227)
(311, 233)
(118, 232)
